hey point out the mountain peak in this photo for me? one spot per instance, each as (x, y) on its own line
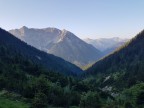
(24, 27)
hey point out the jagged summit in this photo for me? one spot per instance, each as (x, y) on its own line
(61, 43)
(24, 27)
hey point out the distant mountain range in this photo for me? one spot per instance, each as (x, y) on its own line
(17, 47)
(106, 45)
(61, 43)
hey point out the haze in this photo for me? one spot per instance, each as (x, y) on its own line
(85, 18)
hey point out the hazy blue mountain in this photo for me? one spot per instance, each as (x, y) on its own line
(61, 43)
(106, 45)
(49, 61)
(113, 48)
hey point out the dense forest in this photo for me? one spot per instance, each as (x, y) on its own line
(23, 80)
(116, 81)
(122, 69)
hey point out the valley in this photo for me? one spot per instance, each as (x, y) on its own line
(25, 77)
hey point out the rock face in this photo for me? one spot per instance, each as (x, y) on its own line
(106, 45)
(61, 43)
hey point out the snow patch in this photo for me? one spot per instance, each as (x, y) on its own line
(38, 57)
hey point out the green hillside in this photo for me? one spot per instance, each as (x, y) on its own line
(125, 67)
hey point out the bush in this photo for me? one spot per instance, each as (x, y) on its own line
(40, 101)
(90, 100)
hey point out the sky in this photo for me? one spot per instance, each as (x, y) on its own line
(85, 18)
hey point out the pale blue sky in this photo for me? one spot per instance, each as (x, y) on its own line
(85, 18)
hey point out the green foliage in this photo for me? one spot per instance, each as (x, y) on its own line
(39, 86)
(40, 101)
(132, 97)
(7, 103)
(90, 100)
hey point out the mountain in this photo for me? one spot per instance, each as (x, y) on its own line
(61, 43)
(25, 83)
(49, 61)
(113, 48)
(123, 68)
(106, 45)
